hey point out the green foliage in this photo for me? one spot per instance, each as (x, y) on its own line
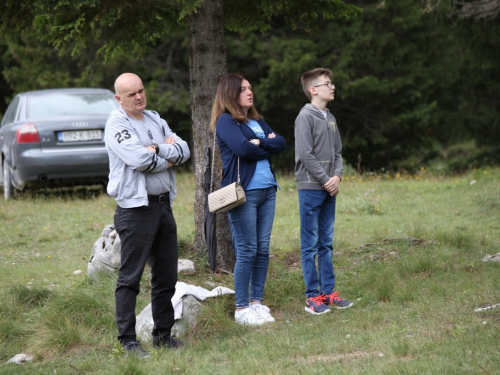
(258, 15)
(84, 307)
(30, 296)
(412, 81)
(385, 82)
(123, 26)
(382, 78)
(478, 92)
(397, 103)
(134, 27)
(117, 351)
(10, 310)
(216, 317)
(30, 64)
(460, 157)
(16, 15)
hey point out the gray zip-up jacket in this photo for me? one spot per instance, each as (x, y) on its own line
(318, 148)
(129, 160)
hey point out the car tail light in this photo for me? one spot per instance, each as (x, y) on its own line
(27, 134)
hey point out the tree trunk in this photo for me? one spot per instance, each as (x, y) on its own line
(207, 64)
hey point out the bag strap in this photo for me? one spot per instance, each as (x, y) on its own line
(213, 161)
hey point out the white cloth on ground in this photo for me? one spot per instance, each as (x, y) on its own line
(182, 289)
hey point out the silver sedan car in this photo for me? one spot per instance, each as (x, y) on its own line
(55, 138)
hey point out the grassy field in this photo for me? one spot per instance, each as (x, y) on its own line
(407, 251)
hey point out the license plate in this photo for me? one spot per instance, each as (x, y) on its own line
(80, 136)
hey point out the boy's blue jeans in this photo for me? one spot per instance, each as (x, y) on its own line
(317, 218)
(251, 225)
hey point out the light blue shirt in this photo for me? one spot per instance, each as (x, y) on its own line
(262, 177)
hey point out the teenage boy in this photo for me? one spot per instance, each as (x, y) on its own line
(318, 171)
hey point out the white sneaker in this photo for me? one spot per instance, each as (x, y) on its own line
(249, 317)
(263, 312)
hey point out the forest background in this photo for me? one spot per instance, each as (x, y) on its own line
(417, 84)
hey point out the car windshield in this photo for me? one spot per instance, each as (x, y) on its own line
(70, 104)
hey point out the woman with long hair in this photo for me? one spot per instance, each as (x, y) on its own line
(246, 144)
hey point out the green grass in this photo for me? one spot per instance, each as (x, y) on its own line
(407, 251)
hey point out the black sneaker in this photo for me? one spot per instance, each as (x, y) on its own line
(135, 348)
(166, 342)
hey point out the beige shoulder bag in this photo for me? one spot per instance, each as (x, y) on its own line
(228, 197)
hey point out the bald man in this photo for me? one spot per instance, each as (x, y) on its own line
(142, 151)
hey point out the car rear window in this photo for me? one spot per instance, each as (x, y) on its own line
(11, 113)
(70, 104)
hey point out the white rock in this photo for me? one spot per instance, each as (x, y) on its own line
(487, 307)
(144, 324)
(113, 234)
(190, 310)
(77, 272)
(20, 358)
(106, 255)
(108, 231)
(185, 266)
(492, 258)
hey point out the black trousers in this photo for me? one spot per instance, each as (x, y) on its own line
(147, 234)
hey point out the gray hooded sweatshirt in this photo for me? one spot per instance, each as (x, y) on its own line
(318, 148)
(132, 166)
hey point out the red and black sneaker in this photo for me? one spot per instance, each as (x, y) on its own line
(316, 305)
(334, 300)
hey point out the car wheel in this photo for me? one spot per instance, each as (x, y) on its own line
(8, 189)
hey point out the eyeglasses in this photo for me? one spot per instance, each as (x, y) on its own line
(327, 84)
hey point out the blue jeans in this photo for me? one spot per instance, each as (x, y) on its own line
(317, 218)
(251, 225)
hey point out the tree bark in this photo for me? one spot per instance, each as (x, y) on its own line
(207, 64)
